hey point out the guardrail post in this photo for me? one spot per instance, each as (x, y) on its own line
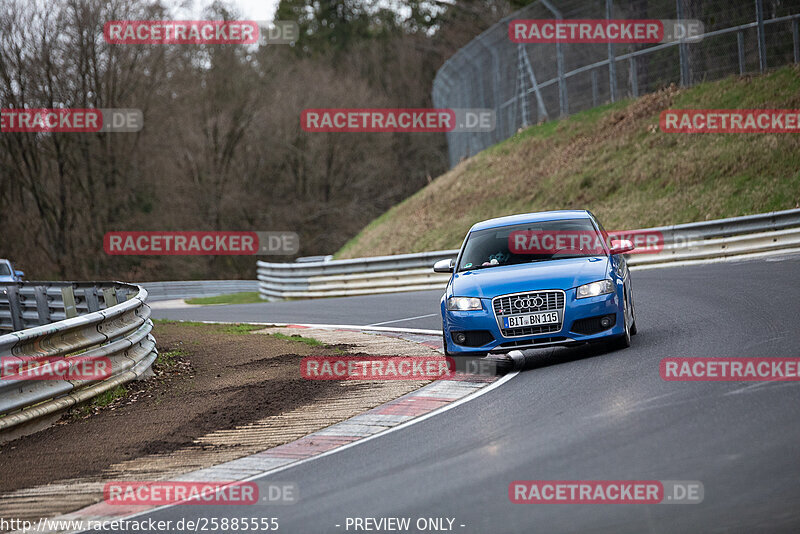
(92, 302)
(762, 43)
(109, 297)
(740, 46)
(612, 62)
(68, 296)
(42, 306)
(12, 292)
(121, 294)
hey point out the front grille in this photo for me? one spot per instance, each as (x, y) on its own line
(534, 302)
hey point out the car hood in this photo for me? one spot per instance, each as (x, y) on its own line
(553, 274)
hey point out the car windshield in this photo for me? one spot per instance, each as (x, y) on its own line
(4, 270)
(531, 242)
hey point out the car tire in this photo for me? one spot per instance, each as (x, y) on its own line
(444, 345)
(623, 341)
(634, 330)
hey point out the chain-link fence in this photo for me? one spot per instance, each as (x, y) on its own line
(530, 83)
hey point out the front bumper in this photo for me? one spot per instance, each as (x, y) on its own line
(574, 310)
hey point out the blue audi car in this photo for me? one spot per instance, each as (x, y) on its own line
(535, 280)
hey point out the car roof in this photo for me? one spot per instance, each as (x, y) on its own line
(523, 218)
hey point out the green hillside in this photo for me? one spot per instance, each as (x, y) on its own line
(615, 161)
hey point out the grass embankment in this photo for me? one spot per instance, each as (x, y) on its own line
(615, 161)
(248, 297)
(240, 328)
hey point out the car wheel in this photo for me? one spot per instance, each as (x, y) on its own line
(623, 341)
(444, 345)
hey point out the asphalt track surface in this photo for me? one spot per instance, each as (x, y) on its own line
(576, 414)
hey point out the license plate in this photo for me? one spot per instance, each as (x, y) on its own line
(532, 319)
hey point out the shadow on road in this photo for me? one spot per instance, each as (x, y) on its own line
(545, 357)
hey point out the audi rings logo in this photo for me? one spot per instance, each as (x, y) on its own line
(528, 302)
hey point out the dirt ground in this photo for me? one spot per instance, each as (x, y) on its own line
(214, 378)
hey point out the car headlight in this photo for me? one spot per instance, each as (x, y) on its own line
(601, 287)
(464, 304)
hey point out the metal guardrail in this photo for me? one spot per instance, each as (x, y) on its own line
(93, 320)
(750, 234)
(196, 288)
(335, 278)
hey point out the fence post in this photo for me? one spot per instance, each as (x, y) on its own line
(497, 94)
(796, 38)
(612, 62)
(562, 82)
(521, 95)
(446, 88)
(563, 104)
(495, 89)
(535, 85)
(479, 81)
(682, 50)
(740, 44)
(634, 78)
(762, 43)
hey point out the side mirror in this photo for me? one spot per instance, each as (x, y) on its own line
(622, 246)
(444, 266)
